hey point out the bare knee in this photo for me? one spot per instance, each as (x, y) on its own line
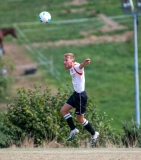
(65, 109)
(80, 119)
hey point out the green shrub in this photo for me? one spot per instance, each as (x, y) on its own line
(36, 113)
(132, 134)
(4, 140)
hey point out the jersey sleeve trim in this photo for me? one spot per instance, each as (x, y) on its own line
(80, 73)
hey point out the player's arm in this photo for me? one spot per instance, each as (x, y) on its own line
(86, 61)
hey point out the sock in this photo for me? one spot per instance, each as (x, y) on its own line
(69, 121)
(88, 127)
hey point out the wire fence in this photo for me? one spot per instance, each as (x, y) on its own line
(42, 60)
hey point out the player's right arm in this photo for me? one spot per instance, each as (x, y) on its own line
(86, 61)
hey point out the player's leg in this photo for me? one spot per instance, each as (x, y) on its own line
(89, 128)
(65, 112)
(80, 111)
(85, 123)
(80, 102)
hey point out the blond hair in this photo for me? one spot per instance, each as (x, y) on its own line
(70, 55)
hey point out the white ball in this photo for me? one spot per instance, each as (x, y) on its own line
(44, 17)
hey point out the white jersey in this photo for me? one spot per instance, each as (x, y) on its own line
(78, 78)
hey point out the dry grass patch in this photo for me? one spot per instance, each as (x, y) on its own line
(76, 2)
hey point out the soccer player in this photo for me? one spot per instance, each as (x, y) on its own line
(78, 99)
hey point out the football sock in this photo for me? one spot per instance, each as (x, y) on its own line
(69, 120)
(88, 127)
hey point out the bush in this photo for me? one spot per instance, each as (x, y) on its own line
(36, 113)
(132, 134)
(4, 141)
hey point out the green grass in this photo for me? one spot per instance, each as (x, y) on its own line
(20, 11)
(109, 77)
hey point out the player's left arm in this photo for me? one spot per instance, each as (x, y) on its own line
(86, 61)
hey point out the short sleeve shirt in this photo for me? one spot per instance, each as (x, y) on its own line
(78, 78)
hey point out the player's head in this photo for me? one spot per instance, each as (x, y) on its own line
(69, 60)
(69, 55)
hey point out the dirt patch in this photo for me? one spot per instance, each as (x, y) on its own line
(22, 63)
(89, 40)
(76, 2)
(78, 10)
(110, 25)
(70, 154)
(21, 60)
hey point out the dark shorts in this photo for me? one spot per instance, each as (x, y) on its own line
(78, 101)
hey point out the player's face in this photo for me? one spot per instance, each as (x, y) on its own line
(68, 62)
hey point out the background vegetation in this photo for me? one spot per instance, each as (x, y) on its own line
(109, 78)
(35, 115)
(6, 81)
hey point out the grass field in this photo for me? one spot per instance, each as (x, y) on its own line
(109, 78)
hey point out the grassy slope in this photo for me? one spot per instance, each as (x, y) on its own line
(110, 77)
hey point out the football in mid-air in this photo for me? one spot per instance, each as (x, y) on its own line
(44, 17)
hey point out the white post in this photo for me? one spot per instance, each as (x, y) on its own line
(128, 8)
(137, 103)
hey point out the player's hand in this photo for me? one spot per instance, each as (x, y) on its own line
(87, 61)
